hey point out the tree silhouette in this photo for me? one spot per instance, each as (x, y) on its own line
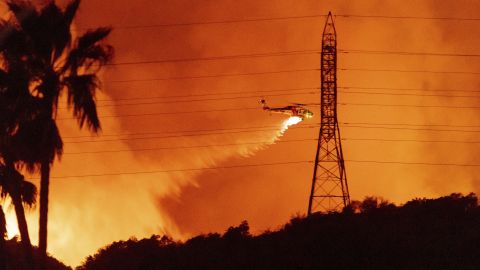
(16, 261)
(15, 106)
(440, 233)
(21, 192)
(54, 62)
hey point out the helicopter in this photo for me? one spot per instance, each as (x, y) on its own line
(296, 109)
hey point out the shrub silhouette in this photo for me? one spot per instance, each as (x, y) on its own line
(438, 233)
(13, 252)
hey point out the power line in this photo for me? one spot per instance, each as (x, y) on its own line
(178, 131)
(407, 94)
(288, 71)
(194, 100)
(408, 105)
(150, 102)
(410, 89)
(413, 129)
(266, 19)
(184, 147)
(287, 90)
(257, 165)
(246, 20)
(411, 71)
(214, 94)
(257, 143)
(298, 89)
(305, 88)
(185, 135)
(207, 132)
(249, 143)
(414, 163)
(214, 75)
(410, 124)
(270, 95)
(220, 57)
(407, 17)
(262, 128)
(400, 105)
(260, 143)
(409, 140)
(169, 113)
(258, 108)
(285, 53)
(354, 51)
(196, 130)
(181, 170)
(275, 128)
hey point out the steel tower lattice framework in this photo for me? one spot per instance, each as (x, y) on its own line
(329, 190)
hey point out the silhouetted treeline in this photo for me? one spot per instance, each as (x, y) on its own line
(441, 233)
(12, 251)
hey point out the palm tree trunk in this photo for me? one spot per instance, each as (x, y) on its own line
(15, 194)
(23, 227)
(42, 237)
(3, 232)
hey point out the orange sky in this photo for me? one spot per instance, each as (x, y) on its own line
(90, 212)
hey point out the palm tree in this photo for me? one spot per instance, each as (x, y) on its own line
(15, 106)
(21, 192)
(55, 64)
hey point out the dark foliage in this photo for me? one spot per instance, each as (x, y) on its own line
(441, 233)
(3, 235)
(40, 61)
(15, 260)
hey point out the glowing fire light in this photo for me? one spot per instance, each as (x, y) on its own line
(12, 228)
(293, 120)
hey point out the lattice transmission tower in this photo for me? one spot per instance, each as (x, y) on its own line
(329, 184)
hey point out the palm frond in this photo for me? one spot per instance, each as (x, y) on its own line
(89, 51)
(81, 95)
(50, 87)
(28, 192)
(21, 9)
(25, 14)
(6, 29)
(16, 103)
(71, 11)
(13, 181)
(52, 35)
(13, 45)
(92, 37)
(63, 37)
(35, 141)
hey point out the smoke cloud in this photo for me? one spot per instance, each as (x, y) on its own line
(90, 212)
